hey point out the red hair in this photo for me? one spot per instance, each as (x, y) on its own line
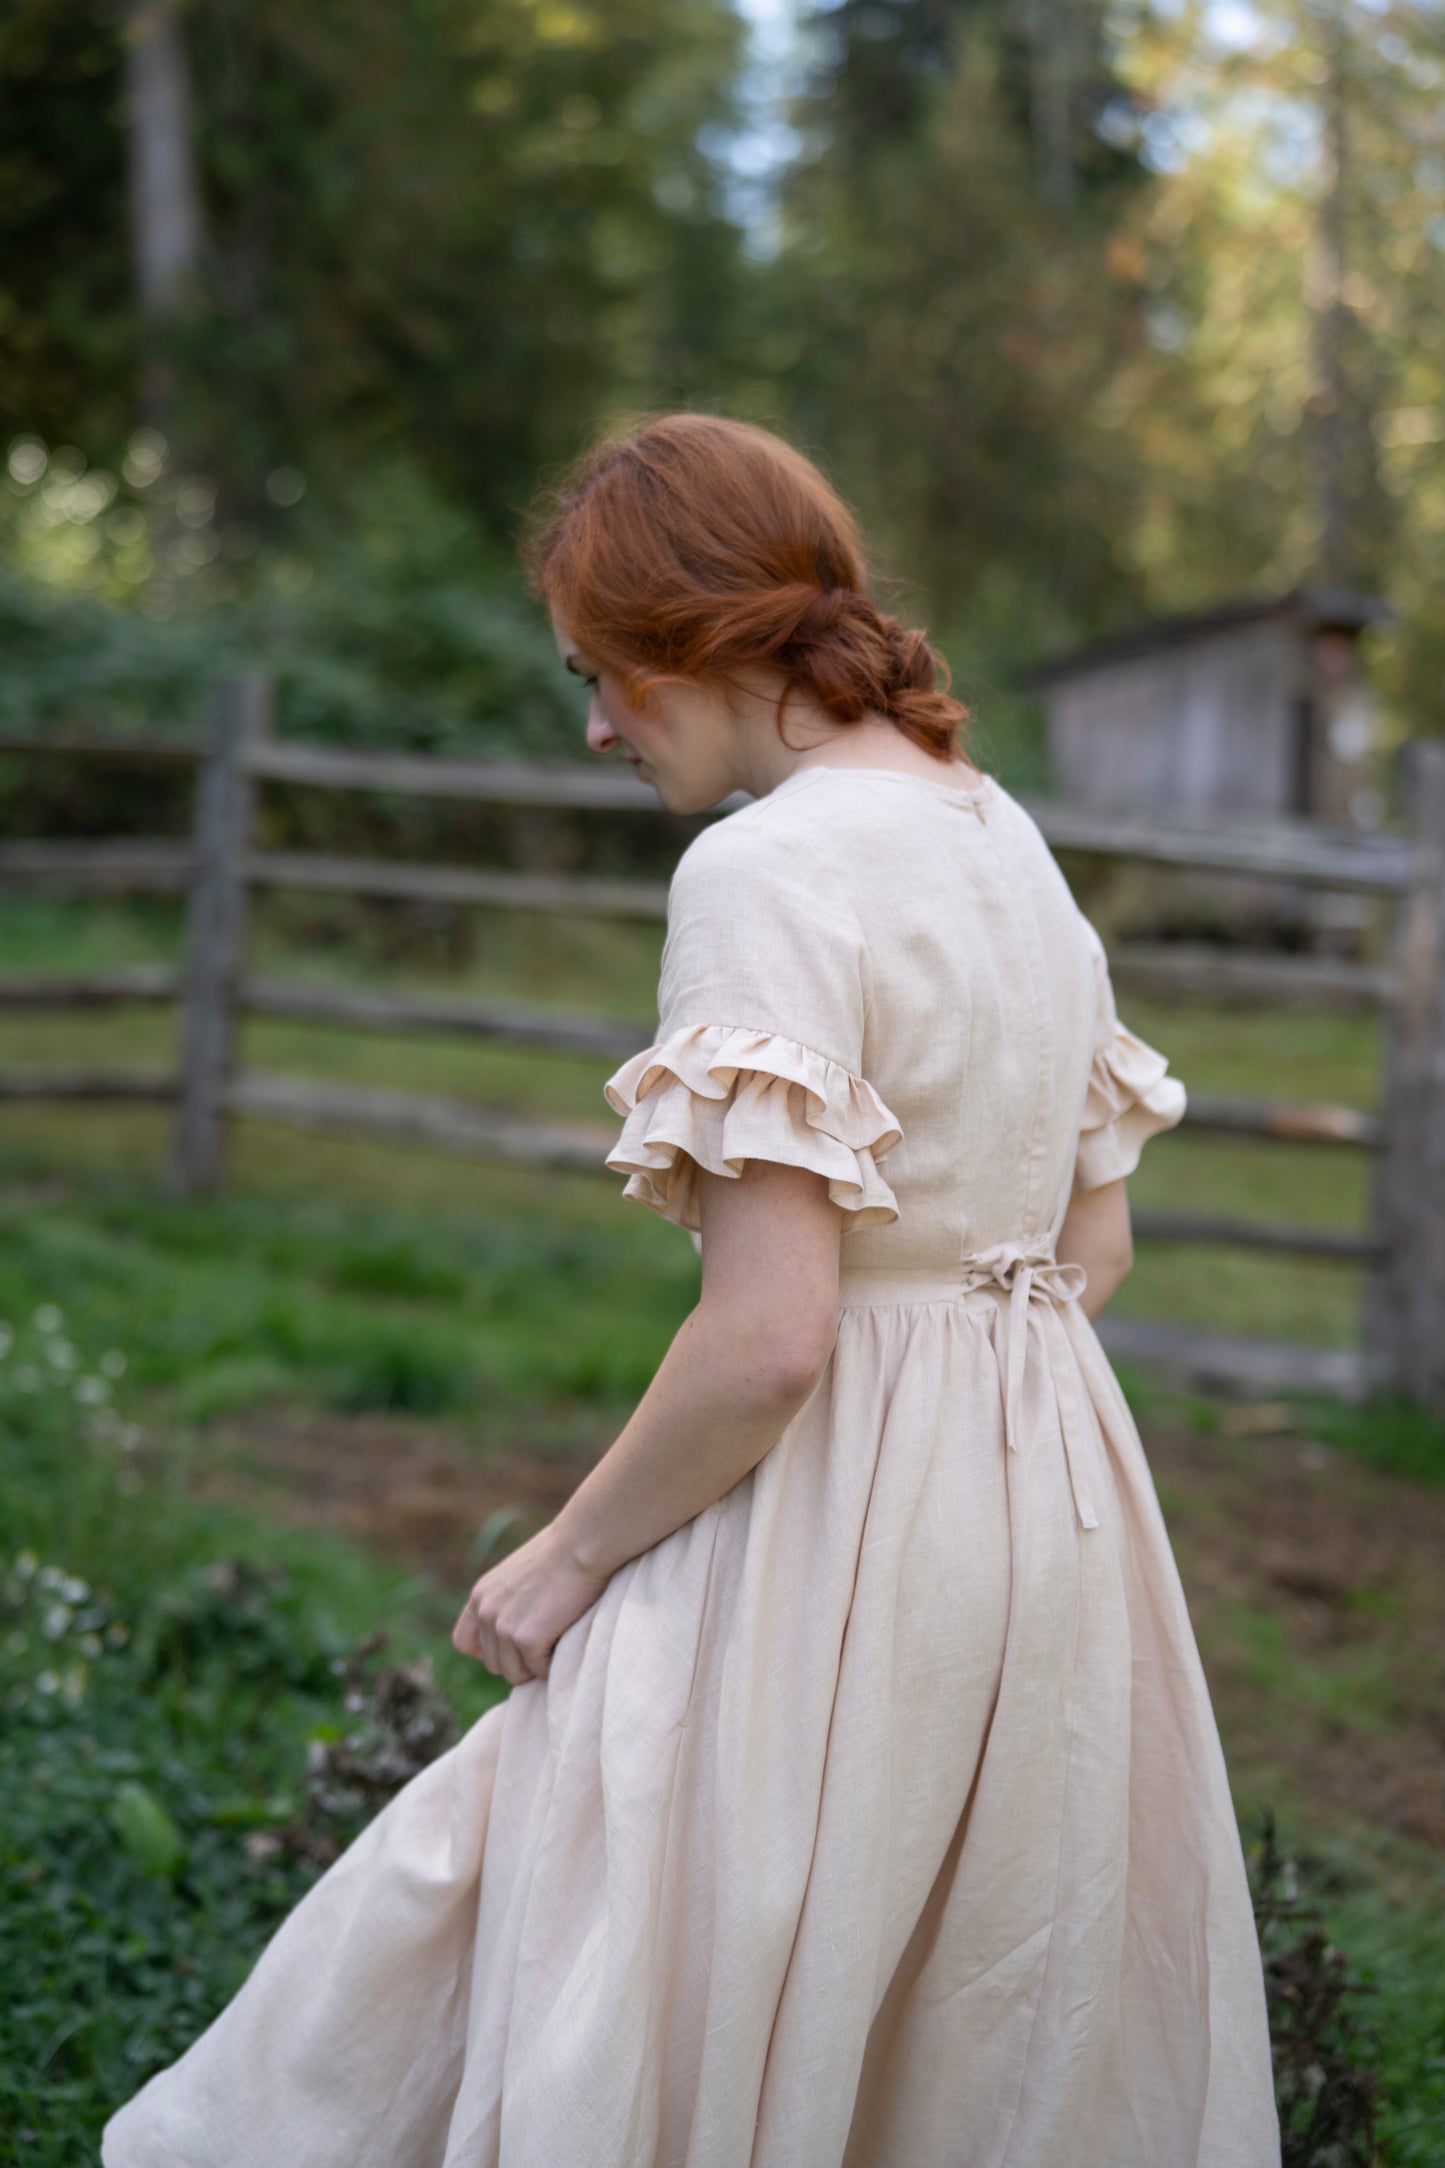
(690, 546)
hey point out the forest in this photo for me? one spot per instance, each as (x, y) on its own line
(1094, 311)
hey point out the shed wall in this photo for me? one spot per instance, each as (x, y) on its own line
(1208, 727)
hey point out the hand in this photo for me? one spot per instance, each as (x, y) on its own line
(520, 1609)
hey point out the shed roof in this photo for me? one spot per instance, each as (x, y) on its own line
(1319, 609)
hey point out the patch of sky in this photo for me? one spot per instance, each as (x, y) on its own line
(1170, 137)
(755, 156)
(1232, 25)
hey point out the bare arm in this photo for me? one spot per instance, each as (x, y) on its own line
(1097, 1235)
(741, 1364)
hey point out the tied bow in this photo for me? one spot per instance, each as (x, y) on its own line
(1024, 1275)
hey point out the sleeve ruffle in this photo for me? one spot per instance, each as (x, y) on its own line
(718, 1095)
(1129, 1100)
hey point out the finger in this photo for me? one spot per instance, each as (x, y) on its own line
(488, 1647)
(514, 1671)
(536, 1658)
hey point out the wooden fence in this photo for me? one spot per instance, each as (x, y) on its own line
(1402, 1248)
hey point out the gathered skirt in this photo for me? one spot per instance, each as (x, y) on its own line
(876, 1818)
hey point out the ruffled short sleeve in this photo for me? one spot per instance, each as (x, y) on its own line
(759, 1052)
(1129, 1098)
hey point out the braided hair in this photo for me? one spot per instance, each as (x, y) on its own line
(690, 547)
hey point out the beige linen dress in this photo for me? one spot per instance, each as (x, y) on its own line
(876, 1818)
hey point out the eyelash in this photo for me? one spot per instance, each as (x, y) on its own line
(590, 681)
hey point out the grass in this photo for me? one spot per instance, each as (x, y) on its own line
(611, 970)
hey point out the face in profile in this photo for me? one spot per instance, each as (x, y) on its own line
(679, 737)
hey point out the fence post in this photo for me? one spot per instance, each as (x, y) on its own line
(216, 934)
(1405, 1298)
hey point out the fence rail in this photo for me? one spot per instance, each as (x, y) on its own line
(1402, 1248)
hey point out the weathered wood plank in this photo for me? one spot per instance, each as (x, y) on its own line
(1405, 1296)
(1341, 1244)
(531, 783)
(59, 1084)
(448, 1125)
(1282, 1121)
(566, 893)
(141, 748)
(1294, 850)
(134, 865)
(516, 1026)
(1175, 971)
(216, 936)
(110, 989)
(1289, 850)
(1220, 1362)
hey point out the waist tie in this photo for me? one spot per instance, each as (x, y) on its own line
(1027, 1275)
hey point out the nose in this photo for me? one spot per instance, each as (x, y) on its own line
(601, 737)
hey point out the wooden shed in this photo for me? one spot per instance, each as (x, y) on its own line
(1253, 708)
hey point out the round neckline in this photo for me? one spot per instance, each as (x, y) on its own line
(970, 793)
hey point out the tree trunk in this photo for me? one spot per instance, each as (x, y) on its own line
(1331, 330)
(165, 202)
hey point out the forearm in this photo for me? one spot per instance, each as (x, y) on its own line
(717, 1405)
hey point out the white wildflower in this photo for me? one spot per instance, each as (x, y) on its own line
(48, 1318)
(112, 1362)
(91, 1391)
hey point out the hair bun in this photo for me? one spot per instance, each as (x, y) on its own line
(911, 658)
(691, 547)
(821, 614)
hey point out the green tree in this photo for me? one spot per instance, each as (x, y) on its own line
(957, 302)
(1288, 407)
(454, 229)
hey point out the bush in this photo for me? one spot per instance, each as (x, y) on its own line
(122, 601)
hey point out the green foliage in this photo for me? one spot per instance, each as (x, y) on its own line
(1396, 1436)
(1033, 291)
(453, 226)
(1326, 2093)
(165, 1679)
(948, 330)
(403, 629)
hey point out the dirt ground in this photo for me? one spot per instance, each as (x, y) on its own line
(1317, 1587)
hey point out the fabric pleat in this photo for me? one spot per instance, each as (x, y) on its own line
(717, 1095)
(1129, 1100)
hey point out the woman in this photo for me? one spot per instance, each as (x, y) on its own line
(859, 1803)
